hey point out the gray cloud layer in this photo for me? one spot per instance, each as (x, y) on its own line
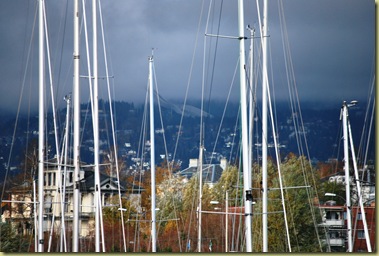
(332, 48)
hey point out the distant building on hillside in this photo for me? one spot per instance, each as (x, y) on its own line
(211, 172)
(21, 210)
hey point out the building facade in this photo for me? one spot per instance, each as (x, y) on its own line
(334, 223)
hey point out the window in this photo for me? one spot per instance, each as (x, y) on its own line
(49, 180)
(361, 234)
(359, 217)
(54, 178)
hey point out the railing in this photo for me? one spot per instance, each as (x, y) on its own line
(334, 222)
(337, 241)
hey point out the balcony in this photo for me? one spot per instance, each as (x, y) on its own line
(337, 241)
(334, 222)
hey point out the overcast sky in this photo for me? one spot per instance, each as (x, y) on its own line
(331, 44)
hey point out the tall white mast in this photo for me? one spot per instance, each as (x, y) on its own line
(199, 208)
(152, 157)
(41, 125)
(76, 146)
(245, 150)
(347, 176)
(264, 130)
(96, 129)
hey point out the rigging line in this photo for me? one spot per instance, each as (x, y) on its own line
(203, 80)
(234, 137)
(65, 10)
(27, 142)
(275, 114)
(288, 61)
(360, 185)
(238, 179)
(88, 59)
(203, 83)
(293, 78)
(113, 125)
(369, 135)
(224, 111)
(84, 24)
(350, 136)
(281, 14)
(369, 97)
(285, 36)
(364, 129)
(156, 92)
(166, 152)
(276, 152)
(201, 144)
(192, 212)
(54, 98)
(63, 197)
(51, 90)
(251, 92)
(214, 58)
(161, 118)
(189, 79)
(255, 86)
(240, 230)
(19, 106)
(98, 210)
(29, 101)
(139, 166)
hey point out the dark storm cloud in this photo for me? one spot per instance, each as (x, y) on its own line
(332, 47)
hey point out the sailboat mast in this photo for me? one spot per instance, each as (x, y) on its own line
(264, 130)
(41, 125)
(347, 176)
(199, 208)
(245, 151)
(76, 146)
(96, 128)
(152, 157)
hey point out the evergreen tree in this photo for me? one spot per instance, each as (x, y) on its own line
(10, 240)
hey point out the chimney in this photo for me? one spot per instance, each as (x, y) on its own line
(193, 162)
(223, 163)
